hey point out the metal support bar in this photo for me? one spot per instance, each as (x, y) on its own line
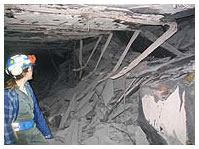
(93, 51)
(104, 49)
(80, 57)
(134, 36)
(102, 53)
(165, 45)
(136, 33)
(172, 29)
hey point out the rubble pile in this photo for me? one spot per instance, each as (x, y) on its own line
(96, 110)
(151, 104)
(108, 112)
(115, 111)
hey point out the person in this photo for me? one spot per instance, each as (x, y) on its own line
(24, 122)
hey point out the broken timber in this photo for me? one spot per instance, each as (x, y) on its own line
(172, 29)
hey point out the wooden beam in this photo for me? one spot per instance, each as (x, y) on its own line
(172, 29)
(91, 13)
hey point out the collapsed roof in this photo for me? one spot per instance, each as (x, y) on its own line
(118, 98)
(34, 26)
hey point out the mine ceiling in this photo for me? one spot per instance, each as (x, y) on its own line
(48, 26)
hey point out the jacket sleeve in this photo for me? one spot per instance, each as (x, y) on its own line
(8, 118)
(38, 116)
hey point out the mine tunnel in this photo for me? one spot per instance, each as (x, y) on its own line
(109, 74)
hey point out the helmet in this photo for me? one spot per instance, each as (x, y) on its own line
(16, 64)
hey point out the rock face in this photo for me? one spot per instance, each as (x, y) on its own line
(167, 107)
(167, 117)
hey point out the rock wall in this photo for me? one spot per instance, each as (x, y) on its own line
(168, 108)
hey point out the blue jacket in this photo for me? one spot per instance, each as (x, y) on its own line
(11, 106)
